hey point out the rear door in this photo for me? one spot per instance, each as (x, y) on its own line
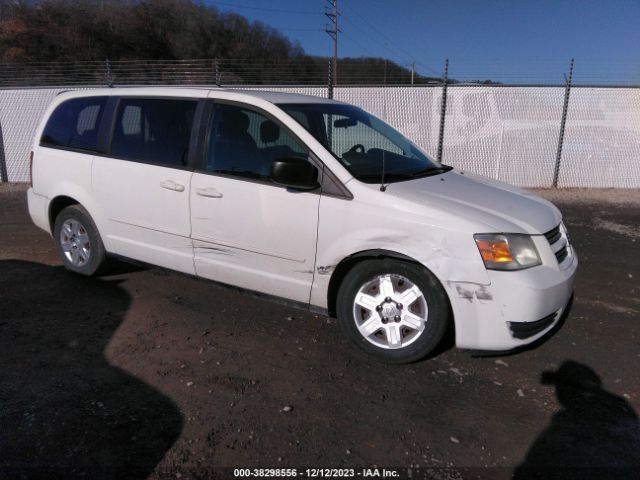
(246, 230)
(142, 183)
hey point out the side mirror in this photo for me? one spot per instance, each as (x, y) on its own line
(295, 172)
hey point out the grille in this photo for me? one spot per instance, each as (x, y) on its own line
(562, 254)
(553, 235)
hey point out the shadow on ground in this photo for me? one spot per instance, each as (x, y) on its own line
(65, 412)
(596, 434)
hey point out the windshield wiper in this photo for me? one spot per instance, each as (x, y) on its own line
(392, 177)
(387, 176)
(427, 172)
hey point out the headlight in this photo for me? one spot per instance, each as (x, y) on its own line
(504, 251)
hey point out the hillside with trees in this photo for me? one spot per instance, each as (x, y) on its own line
(136, 30)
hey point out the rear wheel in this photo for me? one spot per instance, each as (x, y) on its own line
(395, 311)
(78, 241)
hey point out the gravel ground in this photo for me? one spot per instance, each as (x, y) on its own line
(585, 196)
(144, 373)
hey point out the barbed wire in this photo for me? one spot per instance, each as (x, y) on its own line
(286, 71)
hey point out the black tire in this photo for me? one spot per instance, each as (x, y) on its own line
(97, 255)
(437, 316)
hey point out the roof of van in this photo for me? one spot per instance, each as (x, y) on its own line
(268, 95)
(282, 97)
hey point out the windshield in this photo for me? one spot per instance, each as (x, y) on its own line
(364, 144)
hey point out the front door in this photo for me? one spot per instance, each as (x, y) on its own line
(246, 230)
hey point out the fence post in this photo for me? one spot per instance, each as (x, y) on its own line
(563, 122)
(443, 108)
(217, 72)
(108, 77)
(4, 176)
(330, 80)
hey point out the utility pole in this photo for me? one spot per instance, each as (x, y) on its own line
(333, 30)
(413, 72)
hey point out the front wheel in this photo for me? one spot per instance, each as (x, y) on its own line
(78, 241)
(395, 311)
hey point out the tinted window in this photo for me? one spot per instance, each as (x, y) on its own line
(153, 130)
(75, 123)
(245, 143)
(369, 148)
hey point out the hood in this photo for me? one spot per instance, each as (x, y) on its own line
(496, 206)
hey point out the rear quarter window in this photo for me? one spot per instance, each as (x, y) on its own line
(74, 124)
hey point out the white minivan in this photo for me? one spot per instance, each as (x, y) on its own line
(305, 199)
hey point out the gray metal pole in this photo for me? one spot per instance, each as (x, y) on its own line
(108, 73)
(563, 122)
(330, 79)
(443, 108)
(4, 176)
(217, 72)
(335, 42)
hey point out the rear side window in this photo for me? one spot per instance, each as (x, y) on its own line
(74, 124)
(153, 130)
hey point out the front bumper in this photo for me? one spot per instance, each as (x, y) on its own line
(516, 309)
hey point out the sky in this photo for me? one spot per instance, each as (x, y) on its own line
(507, 40)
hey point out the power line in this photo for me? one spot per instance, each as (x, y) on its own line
(409, 58)
(364, 48)
(378, 31)
(287, 29)
(266, 9)
(372, 37)
(349, 21)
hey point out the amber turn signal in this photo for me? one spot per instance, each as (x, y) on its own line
(494, 251)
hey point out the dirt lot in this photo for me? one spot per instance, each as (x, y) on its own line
(146, 373)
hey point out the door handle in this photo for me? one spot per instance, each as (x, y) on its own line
(171, 185)
(208, 192)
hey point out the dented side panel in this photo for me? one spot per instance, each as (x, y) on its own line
(441, 244)
(143, 220)
(255, 236)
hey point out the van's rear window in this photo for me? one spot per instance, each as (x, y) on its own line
(74, 124)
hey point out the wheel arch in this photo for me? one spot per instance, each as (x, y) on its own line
(56, 205)
(347, 263)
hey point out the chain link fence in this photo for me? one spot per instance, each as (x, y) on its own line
(305, 71)
(509, 133)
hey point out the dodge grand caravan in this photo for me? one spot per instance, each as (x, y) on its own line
(304, 199)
